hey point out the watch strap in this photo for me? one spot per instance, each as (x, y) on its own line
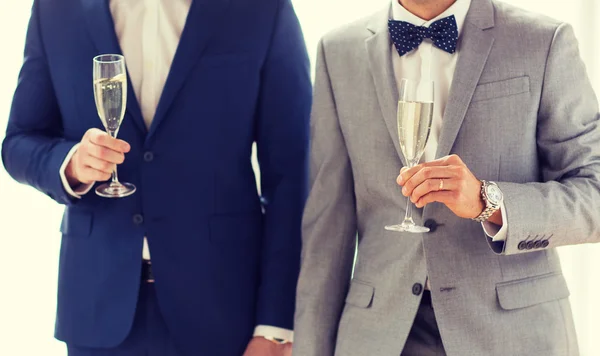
(489, 209)
(486, 214)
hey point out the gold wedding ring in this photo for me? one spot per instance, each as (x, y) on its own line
(441, 187)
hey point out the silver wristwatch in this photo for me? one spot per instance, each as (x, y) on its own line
(493, 198)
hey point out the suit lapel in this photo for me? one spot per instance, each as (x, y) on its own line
(379, 48)
(101, 28)
(474, 47)
(203, 19)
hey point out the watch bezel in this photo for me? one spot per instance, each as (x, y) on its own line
(488, 194)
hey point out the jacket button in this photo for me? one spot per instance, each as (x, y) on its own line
(530, 245)
(522, 245)
(431, 224)
(417, 288)
(148, 156)
(138, 219)
(545, 243)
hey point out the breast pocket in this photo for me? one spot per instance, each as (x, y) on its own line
(501, 89)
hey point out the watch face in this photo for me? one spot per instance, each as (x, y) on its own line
(494, 194)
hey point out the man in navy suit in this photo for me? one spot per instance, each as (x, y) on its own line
(195, 262)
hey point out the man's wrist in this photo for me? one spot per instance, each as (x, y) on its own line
(274, 334)
(68, 168)
(275, 340)
(72, 186)
(496, 218)
(490, 203)
(70, 175)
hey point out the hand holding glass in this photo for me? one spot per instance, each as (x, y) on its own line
(415, 113)
(110, 92)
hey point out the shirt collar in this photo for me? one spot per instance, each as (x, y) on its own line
(459, 9)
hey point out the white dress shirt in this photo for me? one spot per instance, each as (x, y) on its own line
(149, 32)
(431, 63)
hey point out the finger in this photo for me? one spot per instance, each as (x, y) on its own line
(406, 174)
(103, 139)
(433, 185)
(98, 164)
(439, 172)
(90, 175)
(446, 197)
(105, 154)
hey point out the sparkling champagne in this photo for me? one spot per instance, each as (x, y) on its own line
(414, 125)
(111, 94)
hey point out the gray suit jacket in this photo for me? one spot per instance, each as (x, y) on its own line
(521, 112)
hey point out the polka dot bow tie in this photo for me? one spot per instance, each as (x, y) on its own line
(406, 36)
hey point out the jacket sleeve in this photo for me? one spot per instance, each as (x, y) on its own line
(282, 150)
(34, 149)
(329, 227)
(563, 209)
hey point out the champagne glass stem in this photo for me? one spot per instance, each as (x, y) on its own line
(408, 216)
(408, 220)
(114, 175)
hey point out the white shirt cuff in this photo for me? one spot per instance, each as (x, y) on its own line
(272, 331)
(495, 232)
(78, 191)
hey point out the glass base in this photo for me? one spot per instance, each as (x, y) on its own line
(412, 228)
(115, 190)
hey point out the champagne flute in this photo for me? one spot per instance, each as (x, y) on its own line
(415, 114)
(110, 92)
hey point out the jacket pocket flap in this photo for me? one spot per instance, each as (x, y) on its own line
(531, 291)
(76, 222)
(501, 89)
(360, 294)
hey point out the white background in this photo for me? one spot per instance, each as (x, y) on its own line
(29, 238)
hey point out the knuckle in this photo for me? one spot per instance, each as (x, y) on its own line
(101, 153)
(93, 133)
(454, 159)
(427, 172)
(431, 184)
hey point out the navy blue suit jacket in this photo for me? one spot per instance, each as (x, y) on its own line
(225, 259)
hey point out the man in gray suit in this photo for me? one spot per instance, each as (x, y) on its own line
(514, 106)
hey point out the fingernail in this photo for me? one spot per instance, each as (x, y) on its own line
(399, 180)
(403, 169)
(404, 191)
